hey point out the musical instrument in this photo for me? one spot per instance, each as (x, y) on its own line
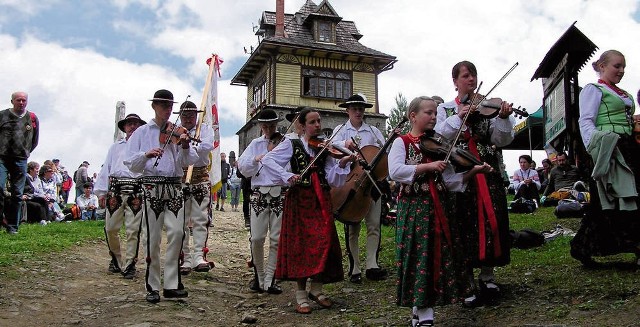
(353, 200)
(437, 146)
(319, 153)
(473, 103)
(171, 134)
(490, 108)
(167, 140)
(333, 151)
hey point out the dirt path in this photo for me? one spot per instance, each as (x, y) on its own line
(75, 289)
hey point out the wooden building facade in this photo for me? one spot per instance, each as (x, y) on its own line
(310, 58)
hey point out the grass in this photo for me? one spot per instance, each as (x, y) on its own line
(35, 240)
(544, 283)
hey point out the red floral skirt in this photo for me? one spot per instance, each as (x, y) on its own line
(309, 245)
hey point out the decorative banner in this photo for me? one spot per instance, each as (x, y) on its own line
(211, 118)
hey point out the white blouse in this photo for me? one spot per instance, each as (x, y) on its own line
(404, 173)
(520, 175)
(589, 102)
(278, 158)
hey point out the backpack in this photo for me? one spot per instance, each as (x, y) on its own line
(569, 208)
(522, 205)
(526, 239)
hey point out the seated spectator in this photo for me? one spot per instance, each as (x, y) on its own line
(48, 185)
(526, 183)
(543, 173)
(87, 203)
(563, 179)
(34, 197)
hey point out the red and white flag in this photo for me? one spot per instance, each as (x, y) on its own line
(210, 106)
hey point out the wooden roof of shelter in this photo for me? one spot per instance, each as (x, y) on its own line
(299, 40)
(572, 42)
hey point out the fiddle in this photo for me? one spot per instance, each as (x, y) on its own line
(317, 143)
(490, 108)
(171, 134)
(434, 144)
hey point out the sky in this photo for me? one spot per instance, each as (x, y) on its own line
(78, 58)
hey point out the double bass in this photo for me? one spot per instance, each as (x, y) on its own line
(352, 201)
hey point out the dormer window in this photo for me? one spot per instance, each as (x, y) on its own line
(325, 32)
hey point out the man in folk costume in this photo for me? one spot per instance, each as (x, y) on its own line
(266, 205)
(160, 162)
(119, 191)
(197, 207)
(357, 134)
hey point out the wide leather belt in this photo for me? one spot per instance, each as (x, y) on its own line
(274, 191)
(124, 185)
(160, 180)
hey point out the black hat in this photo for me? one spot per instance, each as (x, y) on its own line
(293, 115)
(129, 118)
(85, 163)
(56, 160)
(268, 116)
(188, 106)
(356, 100)
(163, 95)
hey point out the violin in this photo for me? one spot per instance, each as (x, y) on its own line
(436, 145)
(318, 143)
(490, 108)
(171, 134)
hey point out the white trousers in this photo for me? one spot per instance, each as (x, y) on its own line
(266, 218)
(163, 208)
(352, 232)
(123, 209)
(197, 215)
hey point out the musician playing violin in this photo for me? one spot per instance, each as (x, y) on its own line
(482, 208)
(266, 204)
(309, 245)
(163, 197)
(197, 204)
(429, 270)
(356, 134)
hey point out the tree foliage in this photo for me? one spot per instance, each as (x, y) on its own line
(396, 116)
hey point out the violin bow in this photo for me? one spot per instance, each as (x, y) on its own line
(283, 137)
(474, 100)
(321, 151)
(173, 129)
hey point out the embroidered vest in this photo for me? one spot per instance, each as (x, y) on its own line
(301, 159)
(420, 184)
(613, 113)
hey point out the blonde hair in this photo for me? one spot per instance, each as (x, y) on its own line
(414, 105)
(604, 59)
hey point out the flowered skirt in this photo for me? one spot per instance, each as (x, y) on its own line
(425, 278)
(309, 244)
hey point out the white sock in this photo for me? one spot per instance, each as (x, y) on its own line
(301, 297)
(315, 288)
(425, 314)
(414, 316)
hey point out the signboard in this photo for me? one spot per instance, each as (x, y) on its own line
(555, 113)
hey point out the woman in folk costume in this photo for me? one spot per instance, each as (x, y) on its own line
(482, 208)
(309, 245)
(429, 270)
(611, 223)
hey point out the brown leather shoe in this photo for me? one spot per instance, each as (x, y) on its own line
(303, 308)
(204, 267)
(185, 271)
(321, 299)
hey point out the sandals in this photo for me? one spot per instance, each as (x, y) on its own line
(303, 308)
(321, 299)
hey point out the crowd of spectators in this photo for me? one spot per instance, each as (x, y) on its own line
(46, 192)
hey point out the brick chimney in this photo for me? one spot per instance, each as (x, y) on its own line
(280, 18)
